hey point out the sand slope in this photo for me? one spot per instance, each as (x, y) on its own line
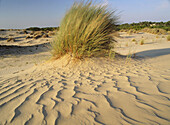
(96, 91)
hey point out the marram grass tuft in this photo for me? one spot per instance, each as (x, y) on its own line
(85, 31)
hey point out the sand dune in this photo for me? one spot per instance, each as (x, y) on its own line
(96, 91)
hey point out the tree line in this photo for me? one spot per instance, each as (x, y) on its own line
(141, 25)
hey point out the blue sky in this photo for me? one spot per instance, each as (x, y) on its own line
(45, 13)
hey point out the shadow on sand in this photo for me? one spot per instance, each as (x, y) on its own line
(6, 50)
(153, 53)
(23, 50)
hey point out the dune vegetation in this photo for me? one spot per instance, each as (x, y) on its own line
(85, 31)
(145, 24)
(168, 37)
(43, 29)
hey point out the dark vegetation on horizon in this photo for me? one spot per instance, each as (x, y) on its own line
(43, 29)
(135, 26)
(141, 25)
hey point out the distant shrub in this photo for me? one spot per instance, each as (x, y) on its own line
(157, 36)
(127, 44)
(32, 32)
(2, 29)
(38, 33)
(43, 29)
(25, 32)
(123, 30)
(34, 29)
(133, 40)
(51, 33)
(131, 31)
(50, 29)
(45, 36)
(168, 32)
(85, 31)
(10, 40)
(168, 37)
(142, 42)
(28, 37)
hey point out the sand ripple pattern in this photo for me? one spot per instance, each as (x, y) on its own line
(101, 94)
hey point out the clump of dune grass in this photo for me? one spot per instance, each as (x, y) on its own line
(131, 31)
(133, 40)
(157, 36)
(127, 44)
(168, 32)
(142, 42)
(124, 30)
(85, 31)
(168, 37)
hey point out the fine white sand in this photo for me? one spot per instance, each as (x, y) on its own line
(35, 90)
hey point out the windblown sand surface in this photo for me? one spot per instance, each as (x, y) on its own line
(96, 91)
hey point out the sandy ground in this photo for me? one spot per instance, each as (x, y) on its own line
(96, 91)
